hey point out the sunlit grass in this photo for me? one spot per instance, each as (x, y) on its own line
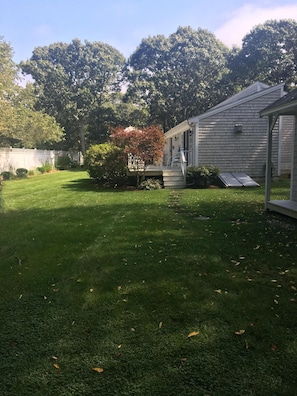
(93, 278)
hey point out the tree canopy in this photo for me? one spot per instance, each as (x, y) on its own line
(177, 77)
(268, 54)
(90, 88)
(75, 83)
(20, 124)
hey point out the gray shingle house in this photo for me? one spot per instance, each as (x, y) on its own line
(233, 137)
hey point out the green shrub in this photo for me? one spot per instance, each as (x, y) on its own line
(6, 175)
(46, 168)
(21, 172)
(201, 176)
(150, 184)
(41, 169)
(107, 164)
(65, 162)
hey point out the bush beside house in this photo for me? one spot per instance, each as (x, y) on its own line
(201, 176)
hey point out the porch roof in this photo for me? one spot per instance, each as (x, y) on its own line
(180, 128)
(286, 105)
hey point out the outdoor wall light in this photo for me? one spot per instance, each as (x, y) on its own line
(238, 128)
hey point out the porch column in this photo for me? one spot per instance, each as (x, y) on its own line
(271, 123)
(293, 196)
(195, 143)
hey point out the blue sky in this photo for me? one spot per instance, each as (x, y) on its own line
(27, 24)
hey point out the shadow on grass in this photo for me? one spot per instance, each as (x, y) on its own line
(89, 184)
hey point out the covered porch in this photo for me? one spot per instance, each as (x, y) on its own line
(285, 106)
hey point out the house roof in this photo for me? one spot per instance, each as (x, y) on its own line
(242, 97)
(252, 92)
(180, 128)
(286, 105)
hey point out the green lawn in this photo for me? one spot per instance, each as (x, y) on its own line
(118, 280)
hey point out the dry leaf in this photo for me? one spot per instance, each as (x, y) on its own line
(273, 347)
(293, 288)
(56, 365)
(218, 291)
(54, 358)
(193, 334)
(98, 369)
(240, 332)
(160, 325)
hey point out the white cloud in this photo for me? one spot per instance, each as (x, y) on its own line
(245, 18)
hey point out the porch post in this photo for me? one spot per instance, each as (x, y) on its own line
(271, 123)
(196, 144)
(293, 189)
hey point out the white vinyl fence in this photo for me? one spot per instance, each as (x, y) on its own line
(14, 158)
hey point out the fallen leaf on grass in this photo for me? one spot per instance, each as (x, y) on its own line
(160, 325)
(273, 347)
(193, 334)
(293, 288)
(54, 358)
(218, 291)
(98, 369)
(239, 332)
(56, 365)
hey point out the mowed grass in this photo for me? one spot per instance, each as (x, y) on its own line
(187, 292)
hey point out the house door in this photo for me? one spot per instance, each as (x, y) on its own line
(188, 147)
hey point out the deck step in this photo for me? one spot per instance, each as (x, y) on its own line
(173, 179)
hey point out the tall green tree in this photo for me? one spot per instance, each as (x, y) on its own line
(268, 54)
(177, 77)
(8, 76)
(75, 81)
(20, 124)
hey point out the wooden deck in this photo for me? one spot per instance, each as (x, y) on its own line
(172, 177)
(288, 208)
(152, 170)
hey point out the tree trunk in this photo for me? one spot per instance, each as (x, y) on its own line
(82, 136)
